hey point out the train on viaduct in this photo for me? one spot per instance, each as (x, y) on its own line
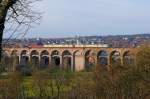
(74, 57)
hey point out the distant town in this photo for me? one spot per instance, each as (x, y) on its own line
(117, 41)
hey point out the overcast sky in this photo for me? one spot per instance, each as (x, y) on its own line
(92, 17)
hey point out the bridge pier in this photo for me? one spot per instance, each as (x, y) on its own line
(61, 62)
(122, 63)
(109, 63)
(72, 63)
(50, 61)
(19, 58)
(79, 63)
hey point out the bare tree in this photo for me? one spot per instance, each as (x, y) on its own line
(17, 15)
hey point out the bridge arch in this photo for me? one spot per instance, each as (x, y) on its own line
(102, 58)
(34, 58)
(14, 53)
(5, 53)
(55, 58)
(15, 56)
(24, 57)
(89, 59)
(6, 59)
(115, 57)
(67, 59)
(44, 59)
(128, 58)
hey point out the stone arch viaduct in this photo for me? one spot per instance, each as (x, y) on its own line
(73, 57)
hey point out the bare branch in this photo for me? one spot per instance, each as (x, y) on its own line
(21, 15)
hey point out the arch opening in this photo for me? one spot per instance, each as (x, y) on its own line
(128, 58)
(24, 57)
(56, 61)
(115, 58)
(34, 58)
(15, 57)
(55, 58)
(102, 58)
(67, 60)
(5, 54)
(44, 59)
(89, 60)
(6, 60)
(14, 53)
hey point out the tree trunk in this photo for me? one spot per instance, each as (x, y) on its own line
(4, 7)
(2, 26)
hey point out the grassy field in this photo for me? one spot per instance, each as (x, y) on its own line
(49, 83)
